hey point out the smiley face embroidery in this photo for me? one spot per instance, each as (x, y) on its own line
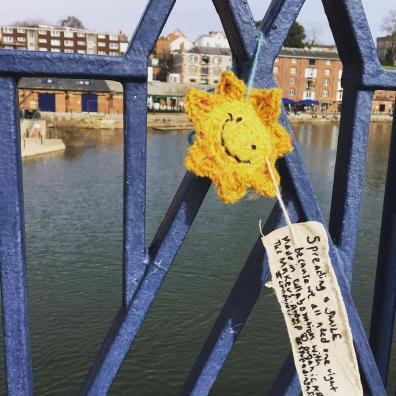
(234, 136)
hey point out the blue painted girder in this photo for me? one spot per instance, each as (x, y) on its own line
(145, 269)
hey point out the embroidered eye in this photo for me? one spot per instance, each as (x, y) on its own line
(239, 119)
(254, 147)
(231, 117)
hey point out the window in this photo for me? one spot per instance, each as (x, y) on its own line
(339, 74)
(276, 79)
(205, 59)
(68, 51)
(217, 60)
(8, 30)
(102, 53)
(69, 43)
(326, 82)
(101, 44)
(8, 39)
(80, 34)
(20, 30)
(193, 69)
(327, 72)
(55, 33)
(114, 53)
(83, 82)
(49, 80)
(309, 72)
(309, 84)
(55, 50)
(91, 51)
(42, 40)
(309, 95)
(68, 34)
(325, 93)
(114, 46)
(21, 39)
(204, 81)
(293, 70)
(81, 51)
(193, 58)
(328, 62)
(205, 71)
(216, 71)
(311, 62)
(43, 32)
(8, 47)
(101, 36)
(276, 60)
(291, 92)
(81, 42)
(275, 69)
(55, 42)
(339, 96)
(42, 49)
(114, 37)
(292, 80)
(293, 60)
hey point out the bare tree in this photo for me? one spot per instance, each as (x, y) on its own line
(30, 22)
(72, 21)
(389, 23)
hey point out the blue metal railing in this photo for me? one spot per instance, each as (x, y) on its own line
(145, 268)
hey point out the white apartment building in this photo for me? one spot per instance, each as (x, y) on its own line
(213, 40)
(202, 65)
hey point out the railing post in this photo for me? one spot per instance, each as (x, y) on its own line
(384, 303)
(12, 247)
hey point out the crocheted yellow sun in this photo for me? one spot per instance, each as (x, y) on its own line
(234, 136)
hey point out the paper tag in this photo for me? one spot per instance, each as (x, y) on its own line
(307, 290)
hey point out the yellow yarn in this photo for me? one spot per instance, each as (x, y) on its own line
(234, 136)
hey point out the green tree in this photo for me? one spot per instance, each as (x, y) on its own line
(296, 37)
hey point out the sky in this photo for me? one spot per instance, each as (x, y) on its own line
(193, 17)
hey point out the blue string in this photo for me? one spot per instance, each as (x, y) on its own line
(253, 69)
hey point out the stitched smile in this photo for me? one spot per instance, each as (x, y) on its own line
(227, 151)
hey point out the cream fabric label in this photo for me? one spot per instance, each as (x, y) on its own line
(310, 298)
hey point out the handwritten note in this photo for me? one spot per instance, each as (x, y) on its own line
(307, 290)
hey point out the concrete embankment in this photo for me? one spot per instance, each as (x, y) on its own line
(163, 121)
(166, 121)
(32, 147)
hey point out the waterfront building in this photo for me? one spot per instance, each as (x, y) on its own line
(70, 96)
(384, 102)
(62, 39)
(386, 48)
(212, 39)
(313, 74)
(202, 65)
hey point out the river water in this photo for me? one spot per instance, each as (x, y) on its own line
(73, 204)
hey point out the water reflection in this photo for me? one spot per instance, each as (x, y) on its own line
(74, 248)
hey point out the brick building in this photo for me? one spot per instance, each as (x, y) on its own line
(310, 74)
(383, 101)
(70, 96)
(62, 39)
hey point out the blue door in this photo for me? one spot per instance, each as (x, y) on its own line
(46, 102)
(90, 103)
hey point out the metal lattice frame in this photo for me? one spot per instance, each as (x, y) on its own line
(145, 269)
